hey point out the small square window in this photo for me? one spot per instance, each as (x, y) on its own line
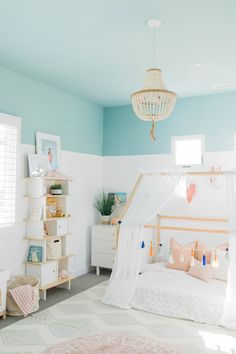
(188, 150)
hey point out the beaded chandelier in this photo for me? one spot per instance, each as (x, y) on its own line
(154, 102)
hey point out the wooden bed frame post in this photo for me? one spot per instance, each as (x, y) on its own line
(130, 199)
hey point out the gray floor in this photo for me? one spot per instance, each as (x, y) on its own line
(56, 295)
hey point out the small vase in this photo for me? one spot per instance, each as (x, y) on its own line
(105, 219)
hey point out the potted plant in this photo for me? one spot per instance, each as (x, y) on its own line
(104, 204)
(56, 189)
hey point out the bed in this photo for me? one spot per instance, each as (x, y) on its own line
(175, 293)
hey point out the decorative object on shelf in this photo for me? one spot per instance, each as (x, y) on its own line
(63, 274)
(36, 208)
(191, 191)
(35, 254)
(45, 229)
(154, 102)
(54, 210)
(38, 165)
(104, 204)
(50, 146)
(119, 197)
(56, 189)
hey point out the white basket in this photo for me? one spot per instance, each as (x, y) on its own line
(54, 248)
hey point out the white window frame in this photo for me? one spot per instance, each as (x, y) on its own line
(234, 147)
(16, 122)
(188, 137)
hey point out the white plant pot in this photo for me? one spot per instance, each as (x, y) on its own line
(56, 191)
(105, 219)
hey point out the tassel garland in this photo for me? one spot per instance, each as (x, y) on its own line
(192, 261)
(227, 254)
(142, 244)
(215, 262)
(204, 262)
(171, 259)
(151, 253)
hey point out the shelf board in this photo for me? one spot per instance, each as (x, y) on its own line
(49, 260)
(49, 237)
(57, 282)
(51, 178)
(48, 196)
(47, 219)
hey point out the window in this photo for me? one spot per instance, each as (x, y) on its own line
(9, 167)
(188, 150)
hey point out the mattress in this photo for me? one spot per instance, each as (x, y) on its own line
(175, 293)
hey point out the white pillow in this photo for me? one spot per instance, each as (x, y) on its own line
(220, 273)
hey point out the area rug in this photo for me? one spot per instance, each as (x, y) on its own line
(84, 315)
(111, 344)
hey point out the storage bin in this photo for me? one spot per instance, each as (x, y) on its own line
(4, 276)
(57, 227)
(47, 273)
(53, 248)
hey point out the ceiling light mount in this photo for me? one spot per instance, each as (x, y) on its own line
(153, 23)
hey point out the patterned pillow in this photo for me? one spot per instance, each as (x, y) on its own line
(200, 272)
(181, 255)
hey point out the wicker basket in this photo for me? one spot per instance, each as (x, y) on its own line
(12, 307)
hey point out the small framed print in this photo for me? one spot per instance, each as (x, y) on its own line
(38, 165)
(50, 146)
(36, 208)
(119, 197)
(35, 254)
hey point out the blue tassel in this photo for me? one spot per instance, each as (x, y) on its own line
(142, 244)
(204, 262)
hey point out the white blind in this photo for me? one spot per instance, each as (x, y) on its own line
(8, 174)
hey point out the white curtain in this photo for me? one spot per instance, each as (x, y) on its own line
(152, 193)
(229, 311)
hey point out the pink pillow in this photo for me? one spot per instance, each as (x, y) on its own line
(200, 248)
(181, 255)
(200, 272)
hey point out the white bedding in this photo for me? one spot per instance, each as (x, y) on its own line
(175, 293)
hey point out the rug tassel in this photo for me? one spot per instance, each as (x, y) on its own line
(152, 132)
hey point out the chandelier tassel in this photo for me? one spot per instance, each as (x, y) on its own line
(152, 132)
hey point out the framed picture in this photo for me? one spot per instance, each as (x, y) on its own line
(36, 208)
(38, 165)
(50, 146)
(119, 197)
(35, 254)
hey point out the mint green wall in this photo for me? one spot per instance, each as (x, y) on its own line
(212, 115)
(43, 108)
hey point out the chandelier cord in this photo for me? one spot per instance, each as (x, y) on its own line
(154, 48)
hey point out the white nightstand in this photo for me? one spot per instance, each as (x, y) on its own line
(103, 246)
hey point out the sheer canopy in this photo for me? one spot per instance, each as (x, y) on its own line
(229, 311)
(152, 193)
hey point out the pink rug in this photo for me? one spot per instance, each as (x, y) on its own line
(110, 344)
